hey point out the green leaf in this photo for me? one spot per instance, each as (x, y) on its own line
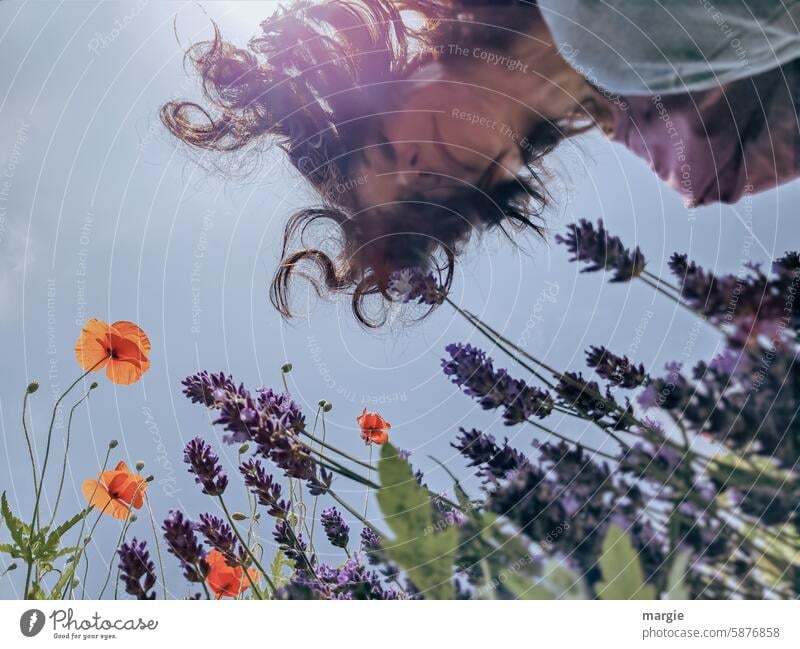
(66, 576)
(49, 550)
(562, 582)
(426, 554)
(619, 565)
(522, 588)
(13, 550)
(16, 527)
(65, 551)
(732, 472)
(66, 526)
(276, 568)
(406, 505)
(676, 579)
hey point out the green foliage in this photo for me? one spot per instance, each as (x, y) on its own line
(42, 548)
(621, 570)
(20, 533)
(562, 582)
(279, 562)
(676, 578)
(427, 555)
(729, 470)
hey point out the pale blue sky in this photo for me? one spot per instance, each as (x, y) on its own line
(102, 215)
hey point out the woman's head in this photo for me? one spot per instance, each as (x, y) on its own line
(411, 144)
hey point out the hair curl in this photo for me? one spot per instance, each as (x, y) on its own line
(306, 83)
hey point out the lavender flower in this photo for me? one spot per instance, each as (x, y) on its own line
(204, 464)
(660, 463)
(263, 486)
(412, 284)
(336, 529)
(566, 503)
(748, 302)
(617, 369)
(483, 451)
(183, 543)
(601, 251)
(473, 371)
(370, 541)
(319, 485)
(220, 536)
(350, 581)
(137, 572)
(587, 398)
(270, 419)
(294, 548)
(210, 389)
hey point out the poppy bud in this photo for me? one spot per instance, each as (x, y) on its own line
(113, 443)
(238, 516)
(244, 448)
(321, 403)
(76, 582)
(327, 407)
(139, 465)
(32, 387)
(286, 368)
(13, 566)
(150, 478)
(93, 385)
(133, 518)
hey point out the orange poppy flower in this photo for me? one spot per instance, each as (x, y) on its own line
(373, 428)
(225, 580)
(121, 348)
(116, 491)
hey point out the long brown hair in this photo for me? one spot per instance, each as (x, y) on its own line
(308, 83)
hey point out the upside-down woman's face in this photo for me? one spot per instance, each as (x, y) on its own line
(440, 137)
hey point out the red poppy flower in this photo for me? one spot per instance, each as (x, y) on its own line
(373, 428)
(122, 348)
(225, 580)
(116, 491)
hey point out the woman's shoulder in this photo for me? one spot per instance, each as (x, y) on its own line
(647, 48)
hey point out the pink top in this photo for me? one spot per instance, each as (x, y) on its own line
(720, 144)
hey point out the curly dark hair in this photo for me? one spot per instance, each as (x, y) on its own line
(309, 83)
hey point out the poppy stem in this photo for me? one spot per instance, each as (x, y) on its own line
(66, 453)
(157, 544)
(120, 541)
(79, 553)
(88, 539)
(369, 476)
(35, 517)
(83, 522)
(125, 526)
(250, 554)
(28, 438)
(322, 443)
(316, 498)
(203, 583)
